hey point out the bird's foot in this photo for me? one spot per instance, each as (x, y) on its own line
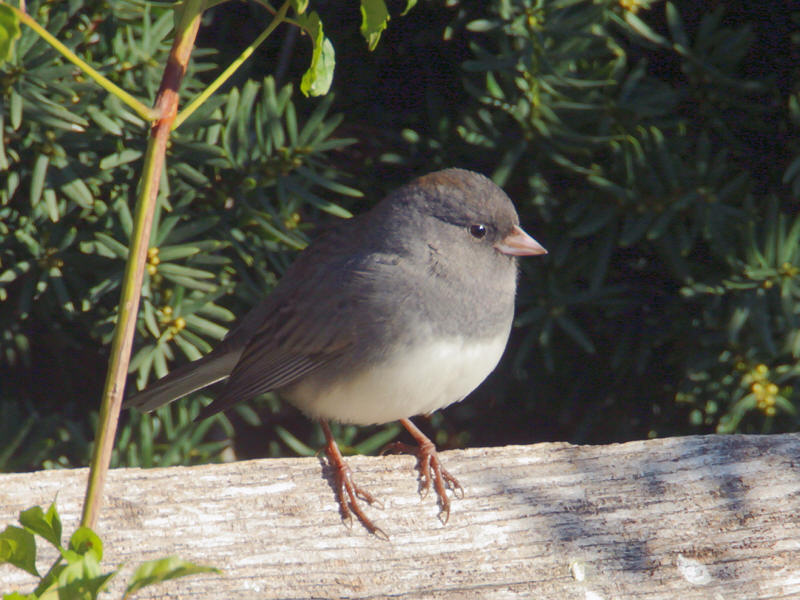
(430, 469)
(348, 493)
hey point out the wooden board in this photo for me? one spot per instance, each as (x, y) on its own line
(713, 517)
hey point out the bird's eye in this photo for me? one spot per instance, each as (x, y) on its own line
(477, 231)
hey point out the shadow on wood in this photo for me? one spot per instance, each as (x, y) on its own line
(713, 517)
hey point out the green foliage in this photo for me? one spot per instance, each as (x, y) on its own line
(55, 197)
(644, 143)
(245, 173)
(9, 31)
(751, 330)
(163, 569)
(675, 257)
(374, 19)
(169, 437)
(346, 436)
(77, 572)
(318, 78)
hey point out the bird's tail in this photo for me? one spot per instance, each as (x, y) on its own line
(184, 380)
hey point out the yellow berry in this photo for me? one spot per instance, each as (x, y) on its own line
(630, 5)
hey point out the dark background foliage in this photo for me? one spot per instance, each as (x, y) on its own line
(650, 147)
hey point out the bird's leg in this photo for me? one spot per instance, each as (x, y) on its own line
(347, 492)
(430, 468)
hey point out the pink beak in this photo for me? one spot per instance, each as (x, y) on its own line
(519, 243)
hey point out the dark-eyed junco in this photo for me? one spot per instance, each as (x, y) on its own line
(400, 311)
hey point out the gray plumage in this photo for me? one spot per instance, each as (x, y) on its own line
(413, 286)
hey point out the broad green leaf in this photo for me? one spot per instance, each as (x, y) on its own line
(86, 541)
(18, 547)
(299, 6)
(81, 577)
(317, 79)
(156, 571)
(9, 31)
(374, 19)
(409, 5)
(45, 524)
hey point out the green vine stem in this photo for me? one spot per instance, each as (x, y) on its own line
(187, 23)
(280, 17)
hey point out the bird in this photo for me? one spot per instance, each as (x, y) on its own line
(394, 313)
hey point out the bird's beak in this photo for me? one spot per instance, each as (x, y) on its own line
(519, 243)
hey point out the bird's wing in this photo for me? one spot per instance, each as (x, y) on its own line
(308, 321)
(185, 380)
(276, 357)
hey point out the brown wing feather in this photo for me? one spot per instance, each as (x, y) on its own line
(295, 330)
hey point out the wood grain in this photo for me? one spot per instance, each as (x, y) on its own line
(713, 517)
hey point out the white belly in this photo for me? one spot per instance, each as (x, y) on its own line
(408, 384)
